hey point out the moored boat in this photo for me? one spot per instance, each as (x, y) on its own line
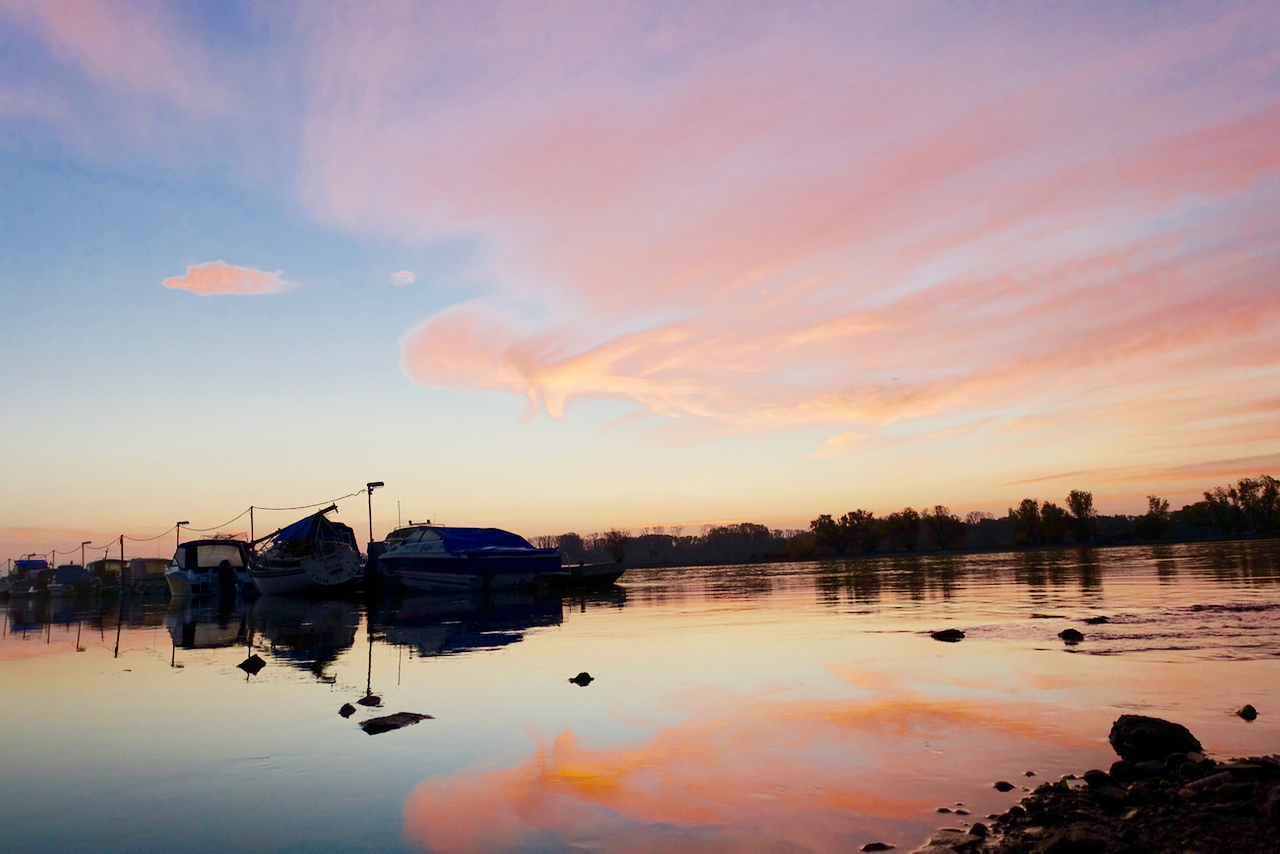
(314, 553)
(208, 566)
(435, 558)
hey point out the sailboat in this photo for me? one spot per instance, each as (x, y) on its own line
(313, 553)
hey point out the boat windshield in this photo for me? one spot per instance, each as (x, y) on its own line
(215, 553)
(422, 535)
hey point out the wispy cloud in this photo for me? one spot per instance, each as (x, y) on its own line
(404, 277)
(218, 277)
(768, 226)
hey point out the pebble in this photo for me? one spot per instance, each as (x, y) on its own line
(1249, 713)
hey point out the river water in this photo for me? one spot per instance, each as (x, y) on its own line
(771, 707)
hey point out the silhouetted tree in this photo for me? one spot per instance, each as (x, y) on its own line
(1224, 505)
(1080, 504)
(903, 528)
(1259, 499)
(616, 543)
(1053, 523)
(1027, 522)
(944, 527)
(1155, 522)
(828, 534)
(861, 530)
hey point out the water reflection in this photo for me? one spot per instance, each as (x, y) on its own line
(449, 625)
(307, 633)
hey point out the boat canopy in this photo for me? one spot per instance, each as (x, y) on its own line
(69, 573)
(203, 555)
(30, 563)
(476, 539)
(317, 527)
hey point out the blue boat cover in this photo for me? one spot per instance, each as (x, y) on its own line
(29, 563)
(69, 573)
(317, 527)
(476, 539)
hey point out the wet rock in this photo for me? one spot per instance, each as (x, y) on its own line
(1176, 761)
(1111, 796)
(948, 635)
(252, 665)
(949, 840)
(1138, 738)
(878, 846)
(962, 811)
(583, 679)
(1003, 786)
(1077, 839)
(1123, 771)
(943, 809)
(386, 723)
(1271, 806)
(1097, 778)
(1151, 768)
(1096, 621)
(1030, 774)
(978, 829)
(1249, 713)
(347, 710)
(370, 700)
(1071, 636)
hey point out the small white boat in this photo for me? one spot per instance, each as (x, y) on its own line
(311, 554)
(208, 566)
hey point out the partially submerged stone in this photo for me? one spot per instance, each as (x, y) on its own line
(1249, 713)
(252, 665)
(583, 679)
(1138, 738)
(386, 723)
(948, 635)
(1071, 635)
(347, 710)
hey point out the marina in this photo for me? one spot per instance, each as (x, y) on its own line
(799, 705)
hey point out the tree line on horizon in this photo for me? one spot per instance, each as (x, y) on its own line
(1252, 505)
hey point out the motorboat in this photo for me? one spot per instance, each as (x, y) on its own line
(145, 575)
(109, 571)
(208, 566)
(437, 558)
(314, 553)
(72, 580)
(22, 577)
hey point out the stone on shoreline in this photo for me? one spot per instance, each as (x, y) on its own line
(1138, 738)
(386, 723)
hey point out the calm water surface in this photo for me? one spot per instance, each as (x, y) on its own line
(779, 707)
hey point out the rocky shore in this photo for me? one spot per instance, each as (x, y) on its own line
(1181, 802)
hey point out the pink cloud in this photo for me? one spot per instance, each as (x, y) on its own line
(217, 277)
(132, 46)
(836, 218)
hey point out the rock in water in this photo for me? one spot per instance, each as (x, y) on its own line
(878, 846)
(583, 679)
(1249, 713)
(370, 700)
(1004, 786)
(399, 720)
(1071, 636)
(347, 710)
(1096, 621)
(252, 664)
(948, 635)
(1138, 738)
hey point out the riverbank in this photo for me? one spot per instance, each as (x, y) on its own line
(1192, 805)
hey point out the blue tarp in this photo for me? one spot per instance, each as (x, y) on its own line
(475, 539)
(30, 563)
(317, 527)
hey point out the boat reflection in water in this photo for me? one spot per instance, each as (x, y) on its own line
(207, 622)
(452, 624)
(306, 633)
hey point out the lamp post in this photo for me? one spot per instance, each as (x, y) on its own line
(370, 487)
(177, 536)
(82, 545)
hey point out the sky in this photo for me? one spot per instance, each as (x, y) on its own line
(566, 266)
